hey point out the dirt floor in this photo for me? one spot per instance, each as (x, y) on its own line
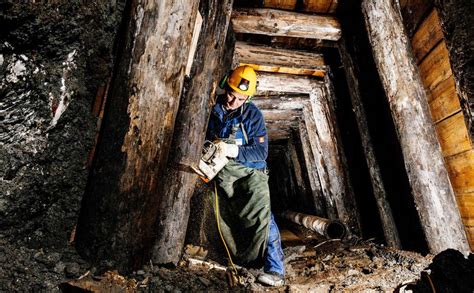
(316, 266)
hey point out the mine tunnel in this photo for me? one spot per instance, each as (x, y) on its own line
(104, 109)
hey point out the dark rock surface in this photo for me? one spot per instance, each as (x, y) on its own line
(53, 58)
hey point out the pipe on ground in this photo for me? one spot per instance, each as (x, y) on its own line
(329, 228)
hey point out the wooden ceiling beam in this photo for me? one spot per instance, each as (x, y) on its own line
(290, 115)
(281, 102)
(320, 6)
(286, 83)
(266, 55)
(265, 58)
(264, 21)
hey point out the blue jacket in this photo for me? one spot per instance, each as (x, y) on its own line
(245, 127)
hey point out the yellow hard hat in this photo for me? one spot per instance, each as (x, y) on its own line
(243, 80)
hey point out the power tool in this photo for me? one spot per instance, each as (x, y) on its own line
(211, 162)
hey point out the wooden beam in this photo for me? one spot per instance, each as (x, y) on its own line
(290, 115)
(353, 74)
(121, 203)
(285, 83)
(320, 6)
(280, 102)
(265, 58)
(273, 22)
(423, 159)
(209, 65)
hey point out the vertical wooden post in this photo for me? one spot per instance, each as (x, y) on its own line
(315, 185)
(321, 125)
(424, 163)
(385, 212)
(120, 205)
(191, 125)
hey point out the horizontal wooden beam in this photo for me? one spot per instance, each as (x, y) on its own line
(273, 22)
(290, 115)
(320, 6)
(265, 58)
(279, 134)
(281, 102)
(286, 83)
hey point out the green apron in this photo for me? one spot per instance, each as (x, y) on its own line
(244, 208)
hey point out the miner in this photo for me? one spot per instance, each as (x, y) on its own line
(238, 128)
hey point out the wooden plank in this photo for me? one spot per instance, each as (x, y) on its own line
(413, 12)
(470, 236)
(461, 171)
(320, 6)
(273, 22)
(444, 100)
(286, 70)
(280, 102)
(280, 4)
(422, 155)
(286, 83)
(427, 36)
(269, 59)
(290, 115)
(435, 68)
(466, 208)
(266, 55)
(453, 136)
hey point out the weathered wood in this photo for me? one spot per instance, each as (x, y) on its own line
(457, 18)
(287, 70)
(120, 205)
(422, 154)
(466, 208)
(321, 6)
(282, 124)
(461, 171)
(285, 23)
(283, 102)
(427, 36)
(265, 55)
(435, 68)
(285, 83)
(289, 115)
(320, 199)
(297, 168)
(385, 212)
(191, 123)
(278, 134)
(444, 100)
(413, 12)
(453, 136)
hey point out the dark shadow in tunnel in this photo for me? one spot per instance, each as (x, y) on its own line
(381, 128)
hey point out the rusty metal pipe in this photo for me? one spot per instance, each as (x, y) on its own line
(329, 228)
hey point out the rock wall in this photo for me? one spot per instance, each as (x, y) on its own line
(53, 58)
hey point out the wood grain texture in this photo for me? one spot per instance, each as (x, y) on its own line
(120, 205)
(461, 171)
(435, 68)
(273, 22)
(408, 103)
(427, 35)
(453, 136)
(466, 208)
(179, 180)
(268, 59)
(444, 100)
(286, 83)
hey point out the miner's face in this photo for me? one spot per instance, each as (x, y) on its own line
(234, 100)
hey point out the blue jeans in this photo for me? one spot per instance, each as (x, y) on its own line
(274, 257)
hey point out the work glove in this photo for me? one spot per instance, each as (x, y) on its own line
(227, 149)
